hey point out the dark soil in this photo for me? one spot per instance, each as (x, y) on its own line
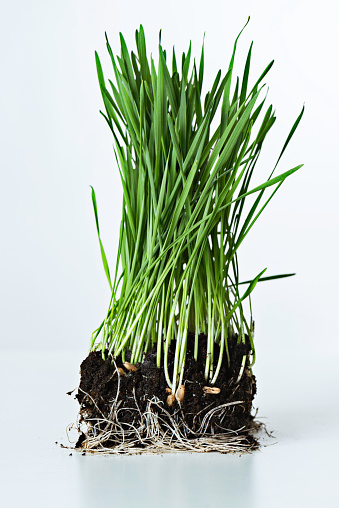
(100, 380)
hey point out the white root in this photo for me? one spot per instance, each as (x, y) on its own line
(157, 431)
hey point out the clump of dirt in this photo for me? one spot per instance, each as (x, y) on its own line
(124, 399)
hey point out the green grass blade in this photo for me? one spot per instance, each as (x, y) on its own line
(103, 255)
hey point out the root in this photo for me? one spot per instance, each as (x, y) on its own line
(152, 427)
(157, 431)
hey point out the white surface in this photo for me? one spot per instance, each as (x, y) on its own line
(298, 468)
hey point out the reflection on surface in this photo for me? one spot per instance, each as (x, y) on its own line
(177, 480)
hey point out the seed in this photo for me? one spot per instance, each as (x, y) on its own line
(168, 390)
(180, 393)
(121, 371)
(170, 399)
(211, 389)
(130, 366)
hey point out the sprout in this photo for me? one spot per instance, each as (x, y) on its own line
(186, 161)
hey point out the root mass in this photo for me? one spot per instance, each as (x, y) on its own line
(129, 413)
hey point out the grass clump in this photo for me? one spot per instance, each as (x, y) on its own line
(186, 160)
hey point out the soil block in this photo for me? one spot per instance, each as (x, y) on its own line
(104, 396)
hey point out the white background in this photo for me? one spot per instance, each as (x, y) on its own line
(54, 144)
